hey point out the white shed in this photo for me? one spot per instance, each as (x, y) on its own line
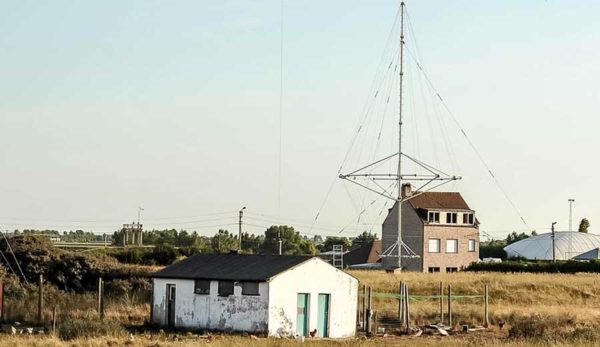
(270, 294)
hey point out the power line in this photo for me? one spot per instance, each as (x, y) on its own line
(14, 257)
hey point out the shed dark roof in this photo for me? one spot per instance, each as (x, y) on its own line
(441, 200)
(235, 267)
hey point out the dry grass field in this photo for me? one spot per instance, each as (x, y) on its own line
(539, 310)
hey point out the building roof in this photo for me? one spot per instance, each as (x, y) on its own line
(568, 244)
(589, 255)
(235, 267)
(367, 253)
(438, 200)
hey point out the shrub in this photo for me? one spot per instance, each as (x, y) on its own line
(569, 266)
(86, 328)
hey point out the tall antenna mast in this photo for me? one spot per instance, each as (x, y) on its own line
(393, 248)
(399, 200)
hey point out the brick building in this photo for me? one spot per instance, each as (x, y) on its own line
(438, 226)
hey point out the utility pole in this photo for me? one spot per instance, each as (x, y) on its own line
(139, 227)
(279, 237)
(399, 240)
(240, 229)
(571, 201)
(553, 243)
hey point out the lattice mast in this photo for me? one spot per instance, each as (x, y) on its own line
(399, 249)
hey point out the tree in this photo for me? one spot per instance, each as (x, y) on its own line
(514, 237)
(291, 241)
(364, 238)
(330, 241)
(584, 225)
(252, 243)
(223, 242)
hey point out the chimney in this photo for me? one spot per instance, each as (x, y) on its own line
(406, 190)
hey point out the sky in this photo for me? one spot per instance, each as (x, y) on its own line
(175, 106)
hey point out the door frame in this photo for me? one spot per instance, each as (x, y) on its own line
(306, 314)
(170, 309)
(328, 323)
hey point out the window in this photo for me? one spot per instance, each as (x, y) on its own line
(434, 245)
(225, 288)
(434, 269)
(451, 246)
(468, 218)
(202, 287)
(433, 217)
(471, 245)
(250, 288)
(451, 217)
(451, 269)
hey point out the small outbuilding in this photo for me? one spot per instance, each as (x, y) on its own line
(270, 294)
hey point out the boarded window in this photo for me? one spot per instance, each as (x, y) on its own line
(202, 287)
(471, 245)
(225, 288)
(250, 288)
(434, 245)
(451, 246)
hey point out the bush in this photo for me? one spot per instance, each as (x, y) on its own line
(569, 266)
(165, 254)
(86, 328)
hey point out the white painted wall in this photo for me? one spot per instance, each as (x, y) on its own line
(313, 277)
(212, 312)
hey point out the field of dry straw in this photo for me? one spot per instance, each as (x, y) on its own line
(539, 309)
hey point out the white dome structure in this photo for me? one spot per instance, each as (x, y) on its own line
(568, 244)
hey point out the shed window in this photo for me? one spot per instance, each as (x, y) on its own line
(433, 217)
(452, 246)
(202, 287)
(433, 269)
(434, 245)
(250, 288)
(451, 269)
(225, 288)
(451, 217)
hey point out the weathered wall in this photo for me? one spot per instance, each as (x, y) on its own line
(194, 311)
(412, 236)
(313, 277)
(444, 260)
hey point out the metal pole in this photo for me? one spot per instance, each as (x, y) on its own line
(407, 309)
(240, 228)
(553, 243)
(571, 201)
(401, 302)
(280, 243)
(100, 299)
(369, 312)
(399, 201)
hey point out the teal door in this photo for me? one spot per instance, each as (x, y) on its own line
(323, 320)
(302, 316)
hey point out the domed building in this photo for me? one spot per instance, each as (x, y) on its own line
(568, 245)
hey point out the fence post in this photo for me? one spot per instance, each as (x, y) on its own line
(100, 298)
(369, 312)
(375, 323)
(441, 299)
(41, 300)
(407, 308)
(486, 321)
(401, 302)
(450, 306)
(54, 321)
(364, 308)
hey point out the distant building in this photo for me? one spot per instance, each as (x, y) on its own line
(439, 227)
(271, 294)
(567, 245)
(364, 256)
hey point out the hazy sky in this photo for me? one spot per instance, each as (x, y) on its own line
(174, 106)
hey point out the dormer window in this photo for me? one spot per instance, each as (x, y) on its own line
(433, 217)
(468, 218)
(451, 217)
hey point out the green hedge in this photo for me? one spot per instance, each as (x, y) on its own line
(570, 266)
